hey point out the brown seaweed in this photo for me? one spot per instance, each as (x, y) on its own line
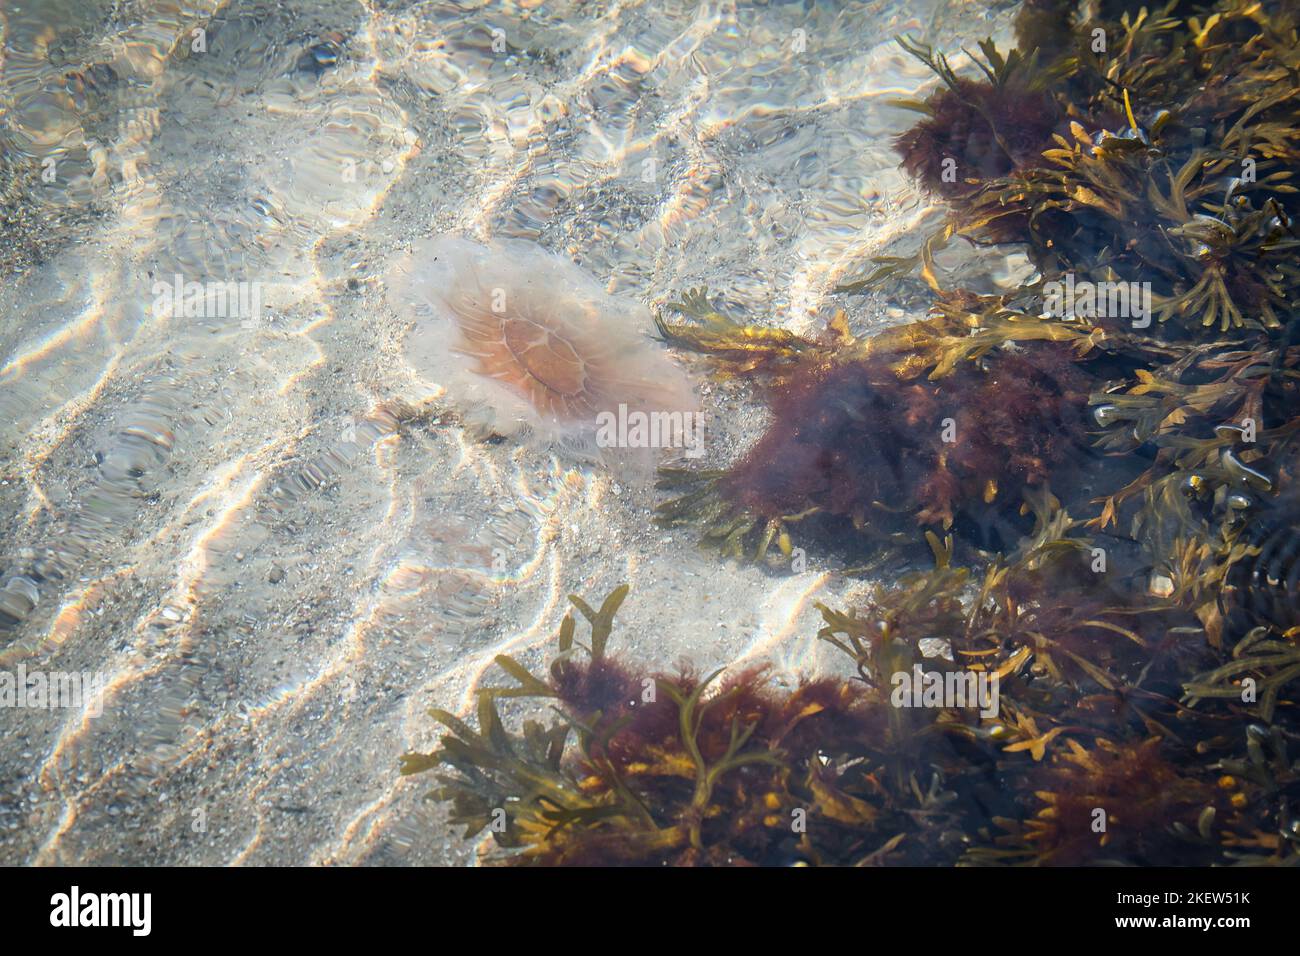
(1090, 756)
(1110, 501)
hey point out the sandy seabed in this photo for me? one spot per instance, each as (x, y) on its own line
(273, 539)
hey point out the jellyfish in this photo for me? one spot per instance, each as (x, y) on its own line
(528, 346)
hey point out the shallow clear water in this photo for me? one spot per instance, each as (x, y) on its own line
(237, 521)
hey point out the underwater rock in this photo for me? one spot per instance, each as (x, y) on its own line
(527, 344)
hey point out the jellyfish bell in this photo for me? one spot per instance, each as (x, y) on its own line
(527, 345)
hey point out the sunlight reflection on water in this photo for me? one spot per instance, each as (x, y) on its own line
(259, 527)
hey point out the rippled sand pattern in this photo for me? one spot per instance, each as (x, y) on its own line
(274, 540)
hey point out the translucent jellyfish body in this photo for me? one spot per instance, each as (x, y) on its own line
(528, 345)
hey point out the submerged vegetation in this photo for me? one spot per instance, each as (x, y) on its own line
(683, 769)
(1158, 188)
(1104, 463)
